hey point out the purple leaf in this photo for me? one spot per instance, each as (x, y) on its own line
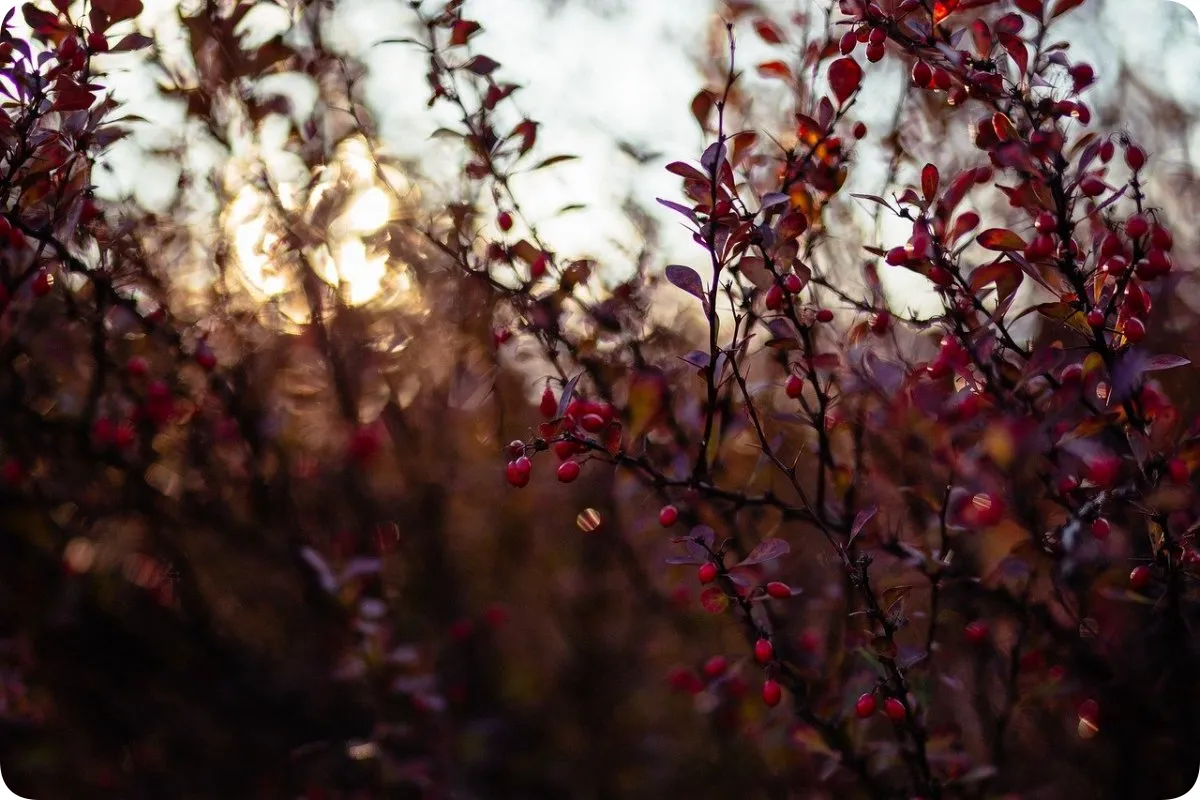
(1165, 361)
(565, 399)
(767, 550)
(682, 209)
(861, 520)
(687, 279)
(714, 154)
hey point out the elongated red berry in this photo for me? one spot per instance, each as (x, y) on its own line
(707, 572)
(1135, 157)
(668, 516)
(549, 404)
(779, 590)
(1178, 469)
(764, 651)
(1101, 528)
(715, 667)
(865, 705)
(772, 693)
(1140, 577)
(505, 221)
(794, 386)
(976, 632)
(824, 315)
(895, 710)
(568, 471)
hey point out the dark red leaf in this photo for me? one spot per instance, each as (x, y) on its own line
(1000, 239)
(482, 65)
(845, 76)
(930, 178)
(768, 31)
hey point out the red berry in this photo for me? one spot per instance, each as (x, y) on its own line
(707, 572)
(1092, 186)
(1103, 470)
(1045, 222)
(895, 710)
(847, 43)
(43, 282)
(122, 436)
(771, 692)
(13, 472)
(794, 386)
(563, 449)
(977, 631)
(715, 667)
(206, 358)
(515, 449)
(824, 315)
(897, 256)
(774, 298)
(1162, 238)
(539, 266)
(1139, 578)
(792, 283)
(1095, 318)
(102, 431)
(683, 680)
(518, 471)
(877, 36)
(667, 516)
(1134, 330)
(136, 366)
(764, 651)
(778, 590)
(505, 221)
(549, 404)
(922, 75)
(859, 130)
(1137, 226)
(1178, 470)
(568, 471)
(592, 423)
(1071, 373)
(1089, 711)
(1101, 528)
(865, 705)
(1135, 157)
(875, 52)
(364, 445)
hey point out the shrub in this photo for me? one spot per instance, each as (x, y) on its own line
(944, 554)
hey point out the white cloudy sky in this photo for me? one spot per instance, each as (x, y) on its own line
(597, 71)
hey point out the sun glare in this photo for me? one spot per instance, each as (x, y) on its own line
(347, 261)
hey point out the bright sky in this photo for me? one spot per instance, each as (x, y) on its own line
(608, 70)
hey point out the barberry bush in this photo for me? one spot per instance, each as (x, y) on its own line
(476, 518)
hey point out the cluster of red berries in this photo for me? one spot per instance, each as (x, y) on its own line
(583, 421)
(867, 705)
(790, 286)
